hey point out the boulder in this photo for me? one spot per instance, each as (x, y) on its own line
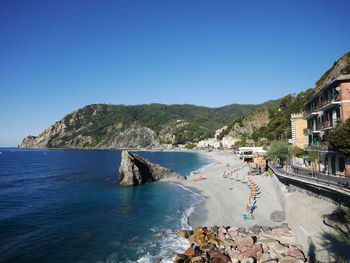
(228, 243)
(233, 232)
(254, 252)
(264, 257)
(296, 253)
(274, 255)
(244, 242)
(218, 257)
(285, 237)
(200, 238)
(232, 253)
(277, 247)
(180, 258)
(248, 260)
(221, 233)
(207, 248)
(290, 260)
(135, 170)
(199, 230)
(197, 260)
(159, 234)
(184, 233)
(190, 252)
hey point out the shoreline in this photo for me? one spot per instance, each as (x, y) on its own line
(225, 199)
(301, 212)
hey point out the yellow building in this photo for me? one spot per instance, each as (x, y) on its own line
(298, 125)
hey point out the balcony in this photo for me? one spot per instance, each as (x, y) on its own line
(326, 125)
(329, 104)
(310, 115)
(318, 146)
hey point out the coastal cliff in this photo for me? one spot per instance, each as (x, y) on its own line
(102, 126)
(136, 170)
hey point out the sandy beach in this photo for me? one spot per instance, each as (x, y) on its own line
(226, 199)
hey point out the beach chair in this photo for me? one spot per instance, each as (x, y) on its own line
(248, 217)
(252, 207)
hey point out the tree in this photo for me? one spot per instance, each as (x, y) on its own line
(298, 152)
(339, 137)
(278, 150)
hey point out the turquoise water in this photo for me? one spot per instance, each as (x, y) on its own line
(67, 206)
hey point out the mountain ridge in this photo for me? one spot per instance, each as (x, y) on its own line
(107, 126)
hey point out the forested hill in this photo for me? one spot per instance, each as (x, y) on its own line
(274, 122)
(119, 126)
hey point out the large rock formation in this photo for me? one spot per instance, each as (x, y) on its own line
(135, 170)
(340, 67)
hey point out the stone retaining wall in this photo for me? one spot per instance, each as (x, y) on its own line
(305, 210)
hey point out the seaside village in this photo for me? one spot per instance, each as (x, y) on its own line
(319, 184)
(309, 131)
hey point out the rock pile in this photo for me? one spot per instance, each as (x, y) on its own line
(234, 245)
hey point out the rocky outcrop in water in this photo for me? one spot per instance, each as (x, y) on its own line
(135, 170)
(234, 245)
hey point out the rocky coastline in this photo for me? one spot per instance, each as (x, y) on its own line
(240, 245)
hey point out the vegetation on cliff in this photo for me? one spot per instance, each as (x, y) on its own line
(277, 123)
(122, 126)
(341, 66)
(119, 126)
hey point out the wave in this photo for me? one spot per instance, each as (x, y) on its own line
(209, 162)
(187, 213)
(171, 242)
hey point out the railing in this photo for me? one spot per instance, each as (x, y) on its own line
(318, 146)
(310, 110)
(328, 101)
(326, 124)
(328, 181)
(318, 105)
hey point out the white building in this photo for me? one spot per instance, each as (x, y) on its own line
(229, 141)
(250, 152)
(209, 143)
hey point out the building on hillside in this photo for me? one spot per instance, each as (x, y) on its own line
(229, 141)
(209, 143)
(328, 106)
(298, 125)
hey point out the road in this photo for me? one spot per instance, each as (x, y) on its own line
(343, 183)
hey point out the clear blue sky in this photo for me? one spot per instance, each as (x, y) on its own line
(57, 56)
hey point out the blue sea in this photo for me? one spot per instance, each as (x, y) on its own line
(67, 206)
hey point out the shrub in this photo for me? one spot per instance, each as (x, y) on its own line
(190, 146)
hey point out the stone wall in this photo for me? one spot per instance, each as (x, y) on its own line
(305, 211)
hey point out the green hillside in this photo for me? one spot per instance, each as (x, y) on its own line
(105, 125)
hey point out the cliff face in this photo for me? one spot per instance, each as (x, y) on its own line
(250, 123)
(246, 125)
(341, 66)
(135, 170)
(102, 126)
